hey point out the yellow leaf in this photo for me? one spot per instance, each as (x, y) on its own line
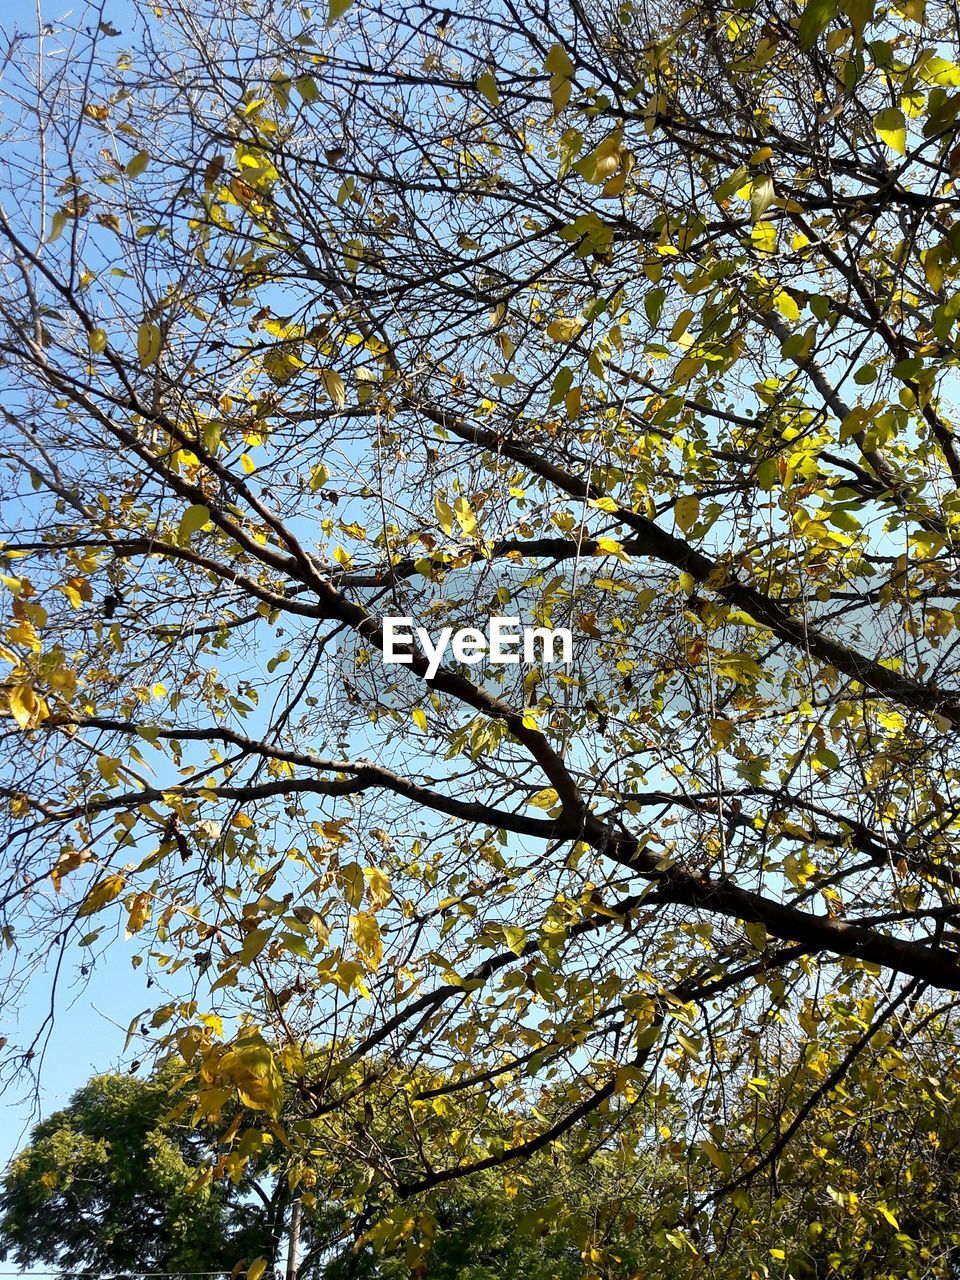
(419, 717)
(149, 342)
(334, 386)
(194, 518)
(605, 159)
(787, 306)
(444, 514)
(515, 938)
(25, 633)
(101, 894)
(26, 708)
(366, 934)
(139, 913)
(561, 77)
(350, 879)
(378, 887)
(722, 730)
(256, 1269)
(544, 799)
(882, 1208)
(764, 237)
(281, 365)
(77, 590)
(97, 340)
(891, 127)
(563, 330)
(686, 512)
(253, 1072)
(57, 223)
(937, 71)
(108, 768)
(307, 88)
(465, 517)
(691, 1045)
(68, 861)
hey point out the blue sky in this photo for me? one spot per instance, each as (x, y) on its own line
(88, 1034)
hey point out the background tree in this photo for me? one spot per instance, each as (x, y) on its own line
(637, 321)
(119, 1181)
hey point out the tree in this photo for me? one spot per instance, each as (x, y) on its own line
(638, 323)
(120, 1181)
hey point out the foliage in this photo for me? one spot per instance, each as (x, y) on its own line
(641, 323)
(115, 1183)
(120, 1181)
(868, 1188)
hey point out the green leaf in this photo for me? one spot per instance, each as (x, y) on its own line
(336, 9)
(816, 15)
(307, 88)
(653, 305)
(136, 164)
(761, 196)
(756, 933)
(720, 1158)
(488, 87)
(515, 938)
(860, 12)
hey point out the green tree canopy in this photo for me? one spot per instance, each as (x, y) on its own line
(115, 1183)
(120, 1181)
